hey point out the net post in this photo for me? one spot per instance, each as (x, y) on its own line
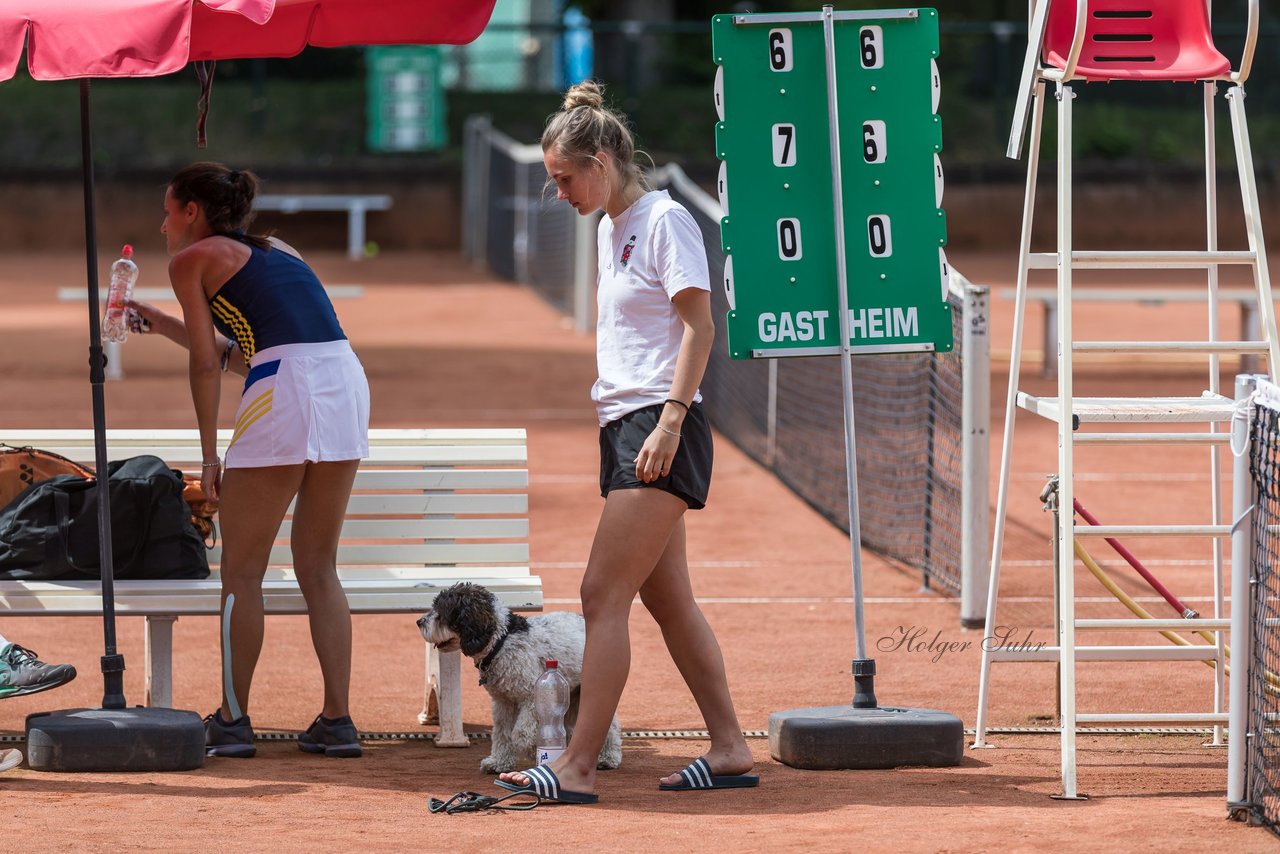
(1243, 499)
(584, 270)
(520, 242)
(475, 183)
(975, 433)
(771, 417)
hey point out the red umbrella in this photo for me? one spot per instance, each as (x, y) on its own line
(68, 39)
(81, 39)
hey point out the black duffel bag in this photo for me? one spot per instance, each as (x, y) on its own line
(50, 530)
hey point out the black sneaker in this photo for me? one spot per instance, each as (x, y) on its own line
(22, 673)
(331, 736)
(228, 738)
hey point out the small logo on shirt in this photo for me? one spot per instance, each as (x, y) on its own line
(626, 251)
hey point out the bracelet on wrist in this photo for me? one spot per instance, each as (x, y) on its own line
(678, 403)
(214, 464)
(668, 432)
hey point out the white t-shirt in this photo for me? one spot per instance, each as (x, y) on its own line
(648, 254)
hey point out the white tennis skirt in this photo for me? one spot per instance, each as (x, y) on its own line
(301, 403)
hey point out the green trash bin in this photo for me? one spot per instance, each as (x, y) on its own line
(405, 99)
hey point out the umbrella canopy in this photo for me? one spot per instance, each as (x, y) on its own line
(147, 38)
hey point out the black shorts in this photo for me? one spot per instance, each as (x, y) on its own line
(690, 475)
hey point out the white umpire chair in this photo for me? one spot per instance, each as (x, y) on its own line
(1149, 41)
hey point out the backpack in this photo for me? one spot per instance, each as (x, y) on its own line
(50, 530)
(22, 467)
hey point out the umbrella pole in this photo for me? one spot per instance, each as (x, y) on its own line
(112, 662)
(112, 738)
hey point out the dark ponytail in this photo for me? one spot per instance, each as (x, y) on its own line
(224, 194)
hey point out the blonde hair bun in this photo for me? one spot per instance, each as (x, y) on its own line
(585, 94)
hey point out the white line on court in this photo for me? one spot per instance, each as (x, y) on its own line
(697, 564)
(886, 600)
(1156, 562)
(1132, 477)
(791, 600)
(758, 564)
(530, 414)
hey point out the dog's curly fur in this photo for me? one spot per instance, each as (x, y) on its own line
(470, 618)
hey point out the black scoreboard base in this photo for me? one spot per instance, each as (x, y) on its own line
(133, 739)
(840, 737)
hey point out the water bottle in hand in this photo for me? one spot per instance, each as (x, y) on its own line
(550, 702)
(115, 323)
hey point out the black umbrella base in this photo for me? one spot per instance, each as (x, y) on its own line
(132, 739)
(837, 737)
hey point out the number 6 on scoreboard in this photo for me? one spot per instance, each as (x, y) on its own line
(780, 50)
(789, 239)
(873, 147)
(871, 46)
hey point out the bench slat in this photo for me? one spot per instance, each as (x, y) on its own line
(446, 479)
(441, 553)
(78, 293)
(447, 437)
(181, 454)
(291, 203)
(445, 503)
(203, 598)
(424, 529)
(169, 586)
(441, 478)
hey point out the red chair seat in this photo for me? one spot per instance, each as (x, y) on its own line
(1136, 40)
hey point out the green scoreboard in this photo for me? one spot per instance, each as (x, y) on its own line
(790, 89)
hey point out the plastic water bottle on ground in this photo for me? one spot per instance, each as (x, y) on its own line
(550, 702)
(115, 323)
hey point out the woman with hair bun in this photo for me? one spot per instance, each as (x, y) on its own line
(300, 431)
(654, 334)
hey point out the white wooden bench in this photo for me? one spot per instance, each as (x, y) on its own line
(355, 205)
(113, 350)
(1246, 298)
(429, 508)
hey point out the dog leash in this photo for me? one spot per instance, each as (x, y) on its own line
(476, 802)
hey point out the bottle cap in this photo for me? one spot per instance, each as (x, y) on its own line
(552, 664)
(127, 251)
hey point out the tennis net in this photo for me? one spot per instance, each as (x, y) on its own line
(1262, 773)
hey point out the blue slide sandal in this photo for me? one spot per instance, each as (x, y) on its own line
(697, 775)
(544, 783)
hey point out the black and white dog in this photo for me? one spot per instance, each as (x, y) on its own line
(510, 651)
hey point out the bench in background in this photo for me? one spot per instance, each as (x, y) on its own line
(355, 205)
(429, 508)
(1246, 298)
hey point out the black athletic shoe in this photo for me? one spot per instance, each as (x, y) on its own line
(22, 673)
(332, 737)
(228, 738)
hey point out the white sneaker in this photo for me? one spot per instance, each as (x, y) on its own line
(10, 758)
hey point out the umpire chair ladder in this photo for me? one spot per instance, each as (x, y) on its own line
(1150, 41)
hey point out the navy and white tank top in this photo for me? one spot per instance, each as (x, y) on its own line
(274, 299)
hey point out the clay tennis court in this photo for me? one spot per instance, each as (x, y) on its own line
(446, 345)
